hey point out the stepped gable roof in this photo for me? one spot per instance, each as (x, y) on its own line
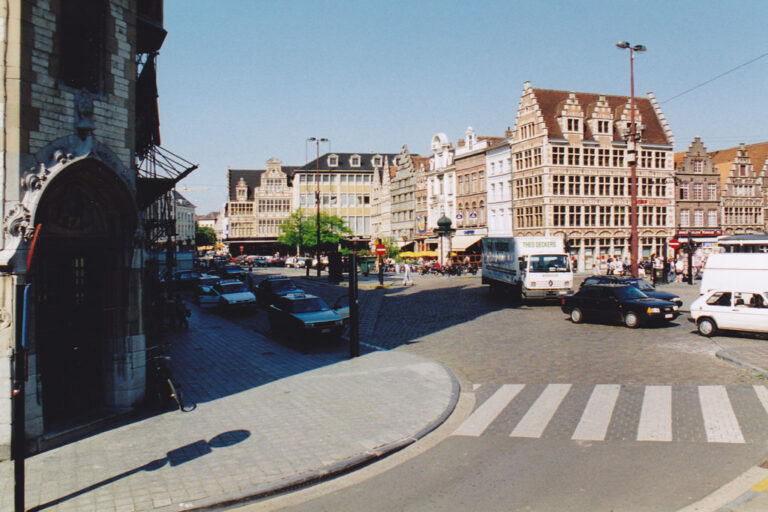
(551, 102)
(366, 161)
(723, 159)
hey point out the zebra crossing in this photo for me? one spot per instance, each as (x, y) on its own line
(600, 412)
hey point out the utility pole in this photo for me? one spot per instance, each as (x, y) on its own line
(632, 156)
(317, 198)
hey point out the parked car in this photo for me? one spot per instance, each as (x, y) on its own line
(639, 283)
(232, 272)
(730, 310)
(304, 316)
(273, 287)
(233, 293)
(259, 261)
(185, 280)
(205, 294)
(617, 302)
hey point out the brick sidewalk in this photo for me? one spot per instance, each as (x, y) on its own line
(267, 418)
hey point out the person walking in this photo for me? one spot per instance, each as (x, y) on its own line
(407, 274)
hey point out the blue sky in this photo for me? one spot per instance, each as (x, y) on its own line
(241, 81)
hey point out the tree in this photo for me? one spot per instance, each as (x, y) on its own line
(204, 236)
(300, 230)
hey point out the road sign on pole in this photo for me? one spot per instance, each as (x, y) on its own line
(674, 244)
(381, 250)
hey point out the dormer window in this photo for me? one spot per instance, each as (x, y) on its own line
(377, 161)
(602, 127)
(573, 125)
(333, 161)
(241, 191)
(698, 166)
(354, 161)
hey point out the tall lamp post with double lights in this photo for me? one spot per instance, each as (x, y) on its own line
(632, 137)
(317, 142)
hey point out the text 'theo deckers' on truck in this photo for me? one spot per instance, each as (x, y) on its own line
(532, 267)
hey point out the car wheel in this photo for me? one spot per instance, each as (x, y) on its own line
(706, 327)
(631, 320)
(577, 316)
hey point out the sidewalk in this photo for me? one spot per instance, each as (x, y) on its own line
(267, 418)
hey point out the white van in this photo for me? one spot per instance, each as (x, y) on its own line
(745, 272)
(730, 309)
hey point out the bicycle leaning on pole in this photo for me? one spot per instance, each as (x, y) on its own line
(163, 392)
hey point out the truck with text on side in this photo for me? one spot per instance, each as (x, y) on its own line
(531, 267)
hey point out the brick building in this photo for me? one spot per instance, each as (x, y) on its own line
(697, 211)
(744, 178)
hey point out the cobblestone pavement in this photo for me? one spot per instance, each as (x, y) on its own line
(270, 414)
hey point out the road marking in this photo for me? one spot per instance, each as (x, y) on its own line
(539, 415)
(719, 419)
(656, 414)
(593, 424)
(484, 415)
(762, 395)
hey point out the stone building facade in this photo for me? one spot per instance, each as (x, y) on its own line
(441, 181)
(345, 187)
(69, 175)
(381, 201)
(498, 169)
(410, 171)
(571, 172)
(744, 177)
(697, 202)
(259, 201)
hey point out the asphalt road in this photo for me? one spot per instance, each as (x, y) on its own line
(567, 417)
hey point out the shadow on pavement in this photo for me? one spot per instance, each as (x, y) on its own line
(174, 457)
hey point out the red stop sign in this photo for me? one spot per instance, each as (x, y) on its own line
(380, 249)
(674, 243)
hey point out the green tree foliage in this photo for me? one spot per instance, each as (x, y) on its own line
(300, 230)
(204, 235)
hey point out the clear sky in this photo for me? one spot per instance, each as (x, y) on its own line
(241, 81)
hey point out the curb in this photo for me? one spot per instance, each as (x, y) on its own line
(735, 493)
(319, 475)
(725, 356)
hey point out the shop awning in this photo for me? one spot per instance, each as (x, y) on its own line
(461, 243)
(403, 245)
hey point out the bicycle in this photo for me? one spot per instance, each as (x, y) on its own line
(162, 391)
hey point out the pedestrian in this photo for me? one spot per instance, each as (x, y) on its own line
(671, 271)
(407, 274)
(679, 269)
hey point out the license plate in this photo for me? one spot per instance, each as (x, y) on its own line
(668, 315)
(327, 330)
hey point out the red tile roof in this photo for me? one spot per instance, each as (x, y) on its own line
(551, 102)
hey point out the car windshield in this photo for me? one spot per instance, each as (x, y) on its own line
(309, 305)
(549, 263)
(630, 292)
(209, 280)
(280, 285)
(642, 285)
(233, 288)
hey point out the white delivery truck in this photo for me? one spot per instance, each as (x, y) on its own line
(532, 267)
(735, 271)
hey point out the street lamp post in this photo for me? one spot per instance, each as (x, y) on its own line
(632, 155)
(317, 198)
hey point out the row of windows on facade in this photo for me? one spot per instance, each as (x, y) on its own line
(470, 214)
(343, 179)
(354, 161)
(262, 206)
(695, 192)
(358, 225)
(698, 218)
(742, 216)
(338, 200)
(601, 216)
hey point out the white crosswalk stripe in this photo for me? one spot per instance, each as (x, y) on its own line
(719, 419)
(540, 414)
(655, 422)
(597, 415)
(656, 414)
(476, 424)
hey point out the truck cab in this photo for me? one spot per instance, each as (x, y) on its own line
(545, 276)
